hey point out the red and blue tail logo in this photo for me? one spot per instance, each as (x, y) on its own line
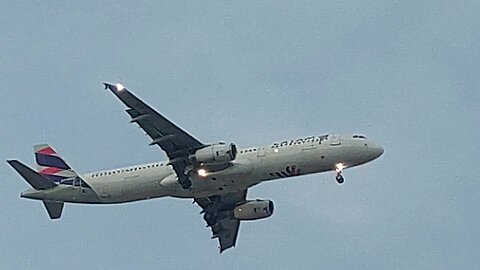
(51, 165)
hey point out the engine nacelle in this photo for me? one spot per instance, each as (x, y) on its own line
(216, 153)
(252, 210)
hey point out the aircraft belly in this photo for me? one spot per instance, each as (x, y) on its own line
(63, 193)
(296, 161)
(129, 188)
(234, 179)
(319, 160)
(208, 187)
(271, 166)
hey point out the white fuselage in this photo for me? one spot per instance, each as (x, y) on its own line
(251, 166)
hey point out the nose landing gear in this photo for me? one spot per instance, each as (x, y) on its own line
(339, 178)
(339, 169)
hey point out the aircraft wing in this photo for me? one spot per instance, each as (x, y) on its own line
(218, 215)
(177, 143)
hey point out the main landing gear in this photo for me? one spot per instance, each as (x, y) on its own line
(185, 183)
(339, 169)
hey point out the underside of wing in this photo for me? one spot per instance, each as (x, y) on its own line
(176, 143)
(218, 214)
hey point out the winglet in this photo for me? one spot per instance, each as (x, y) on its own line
(114, 87)
(107, 86)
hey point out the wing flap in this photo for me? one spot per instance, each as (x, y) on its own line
(228, 232)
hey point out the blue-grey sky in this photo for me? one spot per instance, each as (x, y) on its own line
(404, 73)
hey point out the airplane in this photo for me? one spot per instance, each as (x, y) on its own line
(216, 176)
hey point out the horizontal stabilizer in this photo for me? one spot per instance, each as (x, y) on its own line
(35, 180)
(54, 209)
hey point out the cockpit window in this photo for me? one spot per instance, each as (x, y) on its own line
(359, 137)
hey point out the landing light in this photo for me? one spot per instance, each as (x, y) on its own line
(202, 172)
(339, 167)
(119, 86)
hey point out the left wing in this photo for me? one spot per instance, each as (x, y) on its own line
(177, 143)
(217, 212)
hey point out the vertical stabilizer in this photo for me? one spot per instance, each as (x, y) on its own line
(51, 165)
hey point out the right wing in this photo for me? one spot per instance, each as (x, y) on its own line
(218, 215)
(176, 143)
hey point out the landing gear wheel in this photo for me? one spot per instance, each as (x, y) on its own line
(186, 184)
(339, 179)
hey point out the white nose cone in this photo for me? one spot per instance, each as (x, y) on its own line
(119, 86)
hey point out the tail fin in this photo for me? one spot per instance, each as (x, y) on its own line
(38, 182)
(51, 165)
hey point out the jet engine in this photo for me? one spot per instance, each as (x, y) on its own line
(252, 210)
(216, 153)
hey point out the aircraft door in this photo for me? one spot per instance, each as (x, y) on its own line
(262, 151)
(335, 140)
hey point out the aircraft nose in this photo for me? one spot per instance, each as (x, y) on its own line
(380, 150)
(377, 151)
